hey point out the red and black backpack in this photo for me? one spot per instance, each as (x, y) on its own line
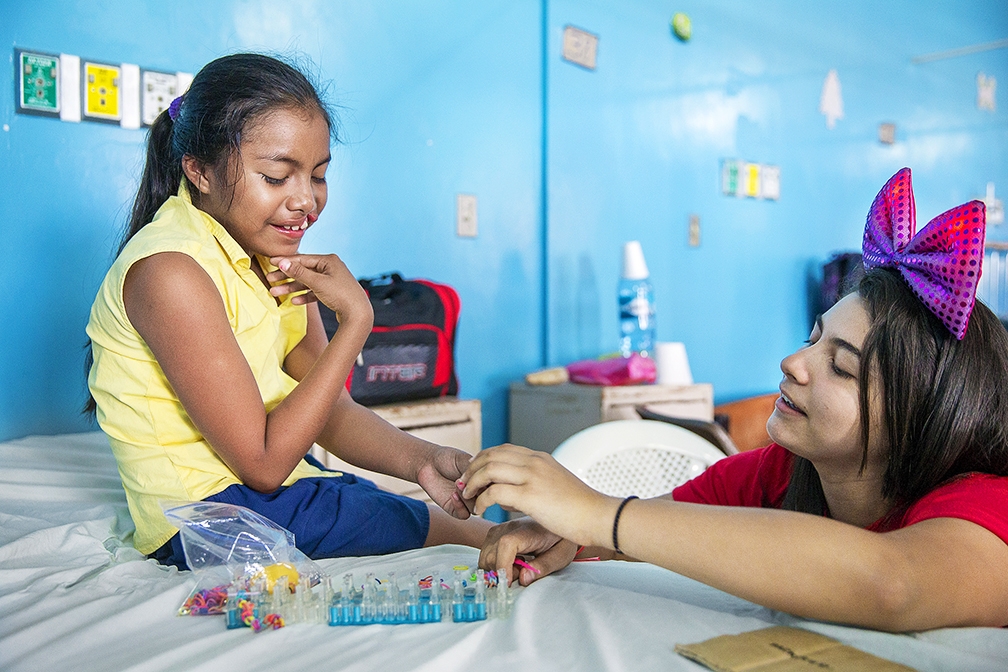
(410, 353)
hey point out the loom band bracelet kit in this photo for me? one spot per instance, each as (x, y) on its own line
(470, 597)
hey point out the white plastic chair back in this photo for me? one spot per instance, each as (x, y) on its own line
(636, 457)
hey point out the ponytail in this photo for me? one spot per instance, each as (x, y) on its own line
(161, 176)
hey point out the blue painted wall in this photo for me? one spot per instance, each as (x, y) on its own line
(448, 96)
(634, 148)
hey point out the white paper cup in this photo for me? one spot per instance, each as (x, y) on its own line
(672, 363)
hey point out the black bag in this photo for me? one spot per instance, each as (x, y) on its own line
(410, 353)
(840, 275)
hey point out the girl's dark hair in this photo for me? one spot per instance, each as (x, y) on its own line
(944, 401)
(226, 96)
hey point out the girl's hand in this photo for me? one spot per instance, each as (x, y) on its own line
(438, 478)
(327, 279)
(519, 479)
(524, 536)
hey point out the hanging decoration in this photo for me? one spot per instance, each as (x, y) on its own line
(831, 100)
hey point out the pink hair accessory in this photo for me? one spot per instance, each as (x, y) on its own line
(941, 262)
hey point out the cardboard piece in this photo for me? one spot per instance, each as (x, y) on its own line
(783, 649)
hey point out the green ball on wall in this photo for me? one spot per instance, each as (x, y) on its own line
(682, 26)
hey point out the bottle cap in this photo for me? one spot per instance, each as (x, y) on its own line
(634, 266)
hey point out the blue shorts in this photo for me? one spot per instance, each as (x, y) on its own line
(331, 517)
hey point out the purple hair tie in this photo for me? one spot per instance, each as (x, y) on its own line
(173, 109)
(941, 262)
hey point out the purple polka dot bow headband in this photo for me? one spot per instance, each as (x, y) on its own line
(941, 262)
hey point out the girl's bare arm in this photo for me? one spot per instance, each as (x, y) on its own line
(178, 310)
(936, 573)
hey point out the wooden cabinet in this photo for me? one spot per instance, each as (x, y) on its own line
(541, 417)
(445, 420)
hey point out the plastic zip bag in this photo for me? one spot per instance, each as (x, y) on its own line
(226, 544)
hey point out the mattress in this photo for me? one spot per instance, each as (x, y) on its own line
(75, 595)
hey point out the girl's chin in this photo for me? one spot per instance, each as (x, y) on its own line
(777, 433)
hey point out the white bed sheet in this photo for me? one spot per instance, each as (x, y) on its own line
(75, 595)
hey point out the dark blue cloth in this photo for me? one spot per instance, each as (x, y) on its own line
(330, 517)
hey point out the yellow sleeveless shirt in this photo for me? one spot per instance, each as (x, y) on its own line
(160, 453)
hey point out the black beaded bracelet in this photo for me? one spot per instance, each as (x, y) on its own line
(615, 523)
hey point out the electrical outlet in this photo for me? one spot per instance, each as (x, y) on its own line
(38, 83)
(158, 90)
(465, 215)
(102, 84)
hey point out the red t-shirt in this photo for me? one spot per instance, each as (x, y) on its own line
(759, 478)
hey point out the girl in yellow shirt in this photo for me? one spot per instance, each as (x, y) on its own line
(212, 373)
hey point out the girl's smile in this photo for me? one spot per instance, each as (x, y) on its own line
(296, 228)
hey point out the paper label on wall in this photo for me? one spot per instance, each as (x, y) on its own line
(102, 91)
(580, 47)
(831, 99)
(887, 133)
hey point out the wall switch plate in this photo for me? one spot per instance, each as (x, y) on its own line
(580, 47)
(694, 230)
(465, 215)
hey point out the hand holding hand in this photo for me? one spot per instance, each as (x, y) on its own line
(519, 479)
(438, 478)
(524, 536)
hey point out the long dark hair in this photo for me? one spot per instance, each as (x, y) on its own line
(226, 96)
(945, 401)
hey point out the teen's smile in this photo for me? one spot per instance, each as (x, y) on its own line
(818, 414)
(785, 405)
